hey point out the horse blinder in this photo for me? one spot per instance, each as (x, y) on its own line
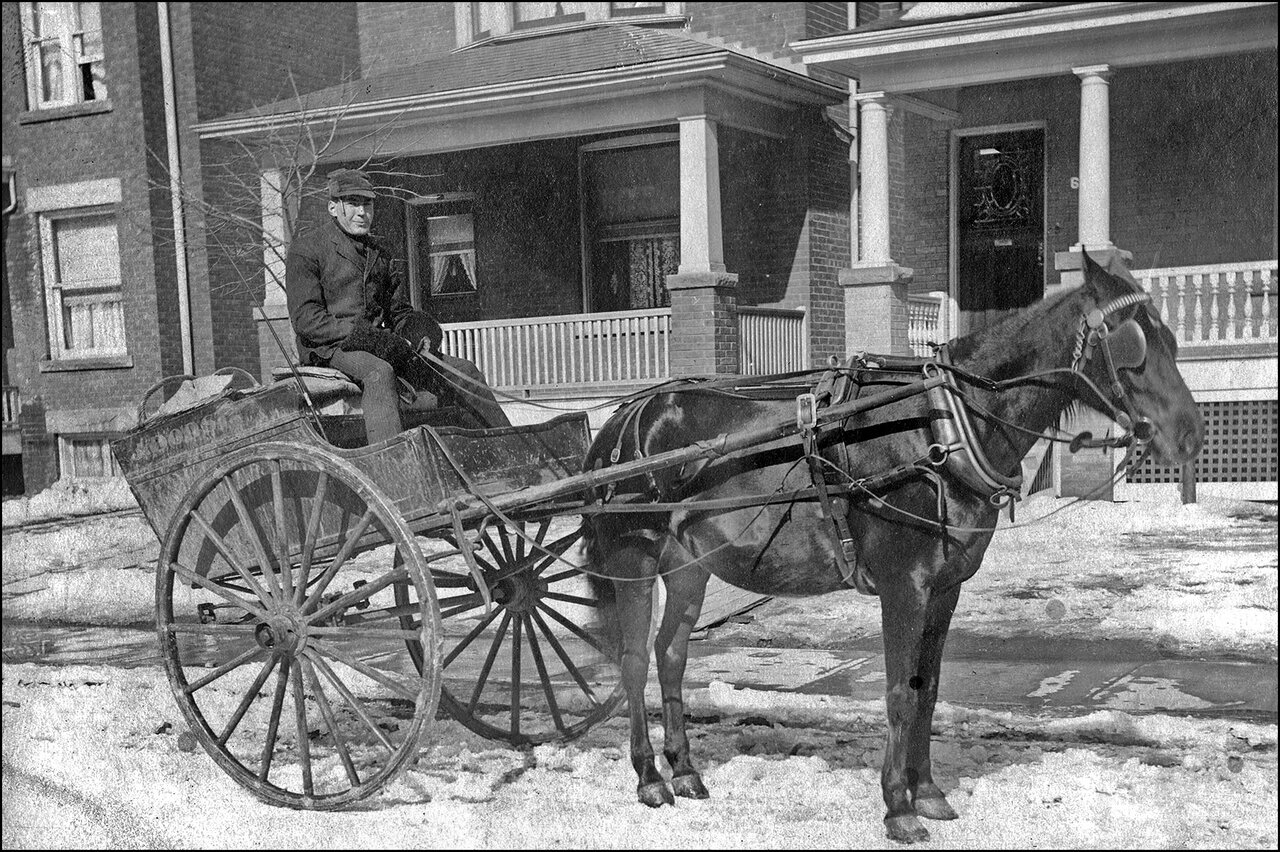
(1127, 345)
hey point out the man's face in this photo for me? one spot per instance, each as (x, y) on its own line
(354, 214)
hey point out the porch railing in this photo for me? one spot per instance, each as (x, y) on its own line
(924, 321)
(771, 340)
(1222, 304)
(12, 405)
(574, 349)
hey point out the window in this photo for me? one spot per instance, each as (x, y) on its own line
(452, 254)
(442, 250)
(620, 9)
(478, 21)
(87, 456)
(63, 51)
(542, 14)
(80, 255)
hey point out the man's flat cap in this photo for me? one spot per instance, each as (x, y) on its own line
(350, 182)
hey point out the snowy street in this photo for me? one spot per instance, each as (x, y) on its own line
(92, 753)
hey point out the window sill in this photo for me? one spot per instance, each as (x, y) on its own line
(35, 116)
(111, 362)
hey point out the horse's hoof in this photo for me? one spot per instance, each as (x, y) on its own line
(689, 786)
(935, 807)
(905, 829)
(655, 794)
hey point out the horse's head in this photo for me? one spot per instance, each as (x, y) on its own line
(1131, 356)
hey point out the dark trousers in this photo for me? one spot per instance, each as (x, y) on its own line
(380, 400)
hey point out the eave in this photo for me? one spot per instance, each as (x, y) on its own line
(1041, 42)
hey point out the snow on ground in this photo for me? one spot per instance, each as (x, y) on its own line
(91, 760)
(1194, 580)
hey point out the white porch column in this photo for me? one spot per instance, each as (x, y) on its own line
(274, 329)
(1094, 222)
(701, 242)
(875, 287)
(274, 239)
(704, 299)
(1093, 199)
(873, 142)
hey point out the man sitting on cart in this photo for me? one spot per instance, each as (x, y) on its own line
(346, 314)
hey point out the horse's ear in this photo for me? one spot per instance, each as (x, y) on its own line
(1094, 275)
(1102, 282)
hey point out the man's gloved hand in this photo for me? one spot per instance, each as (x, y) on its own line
(387, 345)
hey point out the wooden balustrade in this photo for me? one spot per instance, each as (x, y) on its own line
(1220, 304)
(771, 340)
(925, 321)
(12, 405)
(575, 349)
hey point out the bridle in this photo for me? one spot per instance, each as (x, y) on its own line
(1123, 347)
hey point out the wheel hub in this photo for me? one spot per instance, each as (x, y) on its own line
(519, 592)
(282, 633)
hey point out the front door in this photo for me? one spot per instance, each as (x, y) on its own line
(631, 219)
(999, 225)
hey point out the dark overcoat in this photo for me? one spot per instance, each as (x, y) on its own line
(331, 284)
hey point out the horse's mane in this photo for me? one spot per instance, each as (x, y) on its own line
(1001, 349)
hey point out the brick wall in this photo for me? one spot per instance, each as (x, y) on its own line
(921, 232)
(1193, 161)
(767, 26)
(245, 59)
(396, 34)
(828, 172)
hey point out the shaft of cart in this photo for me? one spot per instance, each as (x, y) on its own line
(469, 507)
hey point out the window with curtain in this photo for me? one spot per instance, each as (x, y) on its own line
(451, 254)
(80, 254)
(63, 54)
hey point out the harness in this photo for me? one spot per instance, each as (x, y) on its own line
(954, 450)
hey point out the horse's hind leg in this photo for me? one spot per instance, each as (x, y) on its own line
(686, 584)
(930, 802)
(636, 564)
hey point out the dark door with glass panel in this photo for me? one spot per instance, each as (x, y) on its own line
(999, 225)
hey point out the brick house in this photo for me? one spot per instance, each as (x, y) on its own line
(99, 100)
(595, 196)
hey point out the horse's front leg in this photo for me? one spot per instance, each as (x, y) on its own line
(903, 600)
(686, 585)
(929, 800)
(636, 566)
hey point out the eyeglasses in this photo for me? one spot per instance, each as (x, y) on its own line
(356, 201)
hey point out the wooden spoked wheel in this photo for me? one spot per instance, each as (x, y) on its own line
(533, 667)
(279, 629)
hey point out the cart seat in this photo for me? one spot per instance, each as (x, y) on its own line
(333, 392)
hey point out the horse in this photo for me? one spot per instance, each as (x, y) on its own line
(908, 525)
